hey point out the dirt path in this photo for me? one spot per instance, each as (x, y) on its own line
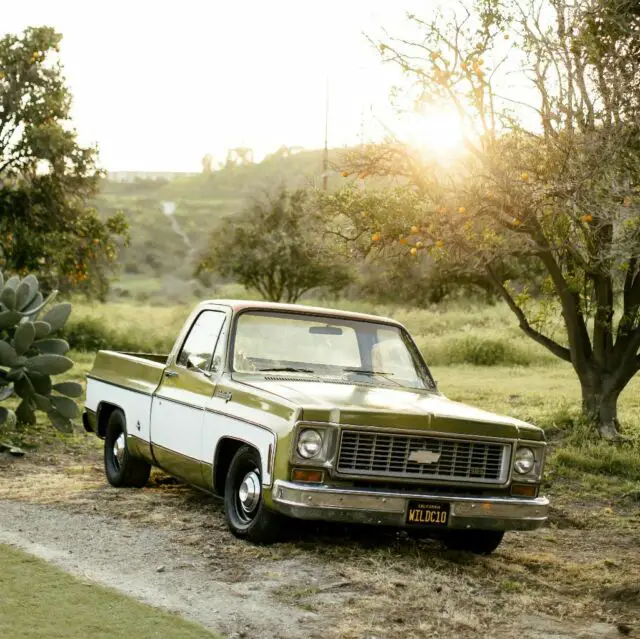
(168, 545)
(146, 564)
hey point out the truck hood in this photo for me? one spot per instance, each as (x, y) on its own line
(387, 407)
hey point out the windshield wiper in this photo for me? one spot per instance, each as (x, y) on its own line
(359, 371)
(286, 369)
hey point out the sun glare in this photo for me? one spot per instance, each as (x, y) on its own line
(438, 132)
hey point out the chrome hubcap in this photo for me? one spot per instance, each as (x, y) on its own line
(118, 449)
(249, 492)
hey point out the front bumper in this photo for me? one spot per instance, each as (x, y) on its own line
(387, 508)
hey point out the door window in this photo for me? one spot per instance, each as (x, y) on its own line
(201, 341)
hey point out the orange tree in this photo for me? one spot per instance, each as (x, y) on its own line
(46, 177)
(549, 180)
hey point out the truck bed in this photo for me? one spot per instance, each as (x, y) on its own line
(139, 372)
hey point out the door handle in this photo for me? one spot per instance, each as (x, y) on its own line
(170, 374)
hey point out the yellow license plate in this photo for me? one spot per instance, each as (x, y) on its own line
(423, 513)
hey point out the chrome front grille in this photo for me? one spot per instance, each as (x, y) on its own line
(387, 455)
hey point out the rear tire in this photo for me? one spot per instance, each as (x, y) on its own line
(479, 542)
(120, 466)
(245, 510)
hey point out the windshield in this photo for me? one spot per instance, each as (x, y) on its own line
(328, 347)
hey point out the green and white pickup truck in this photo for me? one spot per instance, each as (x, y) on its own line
(311, 413)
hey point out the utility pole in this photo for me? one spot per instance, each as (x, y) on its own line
(325, 158)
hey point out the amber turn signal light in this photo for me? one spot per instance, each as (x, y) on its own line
(301, 474)
(524, 490)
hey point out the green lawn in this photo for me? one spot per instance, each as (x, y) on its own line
(38, 600)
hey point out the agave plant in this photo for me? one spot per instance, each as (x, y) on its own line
(29, 356)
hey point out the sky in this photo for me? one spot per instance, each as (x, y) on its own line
(157, 85)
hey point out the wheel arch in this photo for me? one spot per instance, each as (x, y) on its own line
(227, 447)
(105, 410)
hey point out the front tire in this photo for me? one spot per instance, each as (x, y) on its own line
(247, 516)
(479, 542)
(122, 468)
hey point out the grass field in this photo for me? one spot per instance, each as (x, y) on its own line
(584, 565)
(39, 600)
(477, 354)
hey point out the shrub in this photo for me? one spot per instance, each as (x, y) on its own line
(479, 351)
(93, 334)
(29, 356)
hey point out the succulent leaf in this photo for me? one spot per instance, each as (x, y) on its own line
(8, 355)
(5, 392)
(50, 364)
(8, 298)
(65, 406)
(42, 329)
(58, 315)
(25, 412)
(23, 338)
(53, 345)
(70, 389)
(41, 383)
(24, 294)
(9, 319)
(43, 403)
(63, 424)
(12, 282)
(33, 305)
(24, 388)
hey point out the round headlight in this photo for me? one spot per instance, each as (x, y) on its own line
(309, 443)
(525, 460)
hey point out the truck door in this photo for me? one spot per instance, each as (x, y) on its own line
(177, 408)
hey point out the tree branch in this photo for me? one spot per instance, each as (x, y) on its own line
(551, 345)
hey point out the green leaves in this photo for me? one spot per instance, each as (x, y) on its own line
(42, 329)
(41, 383)
(53, 346)
(50, 364)
(57, 316)
(8, 298)
(24, 373)
(9, 318)
(23, 337)
(65, 406)
(70, 389)
(26, 291)
(25, 412)
(8, 355)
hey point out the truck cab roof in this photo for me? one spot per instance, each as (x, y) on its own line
(242, 305)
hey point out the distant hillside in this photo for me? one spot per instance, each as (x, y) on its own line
(172, 215)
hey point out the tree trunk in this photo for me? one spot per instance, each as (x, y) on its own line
(600, 406)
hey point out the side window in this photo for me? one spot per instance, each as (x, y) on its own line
(201, 341)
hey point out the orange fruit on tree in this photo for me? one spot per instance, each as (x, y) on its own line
(414, 251)
(587, 218)
(376, 237)
(414, 229)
